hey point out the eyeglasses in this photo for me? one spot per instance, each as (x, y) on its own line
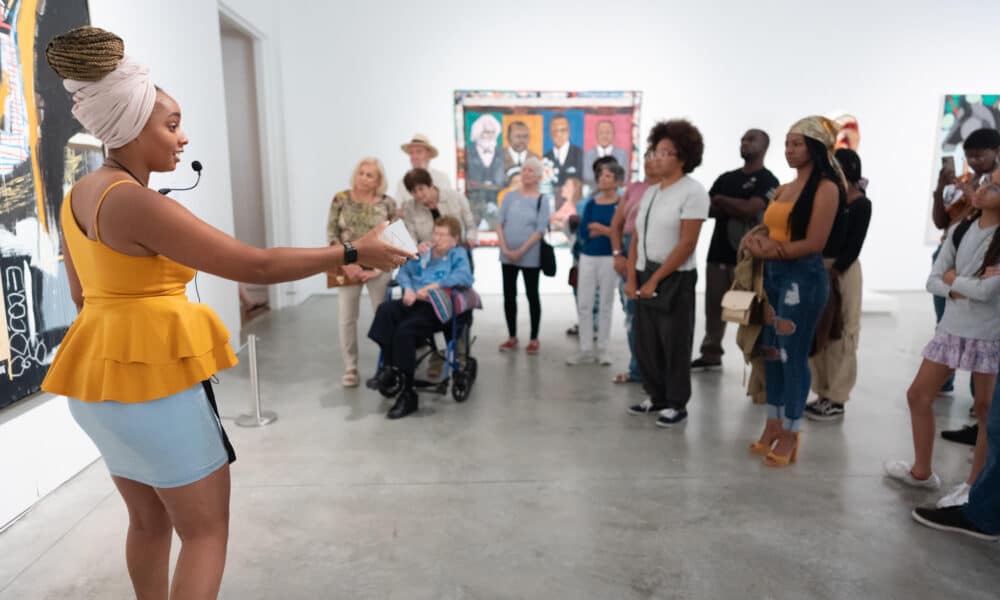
(659, 154)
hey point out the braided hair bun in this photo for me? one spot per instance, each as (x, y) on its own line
(85, 53)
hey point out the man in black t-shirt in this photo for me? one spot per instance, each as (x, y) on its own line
(738, 201)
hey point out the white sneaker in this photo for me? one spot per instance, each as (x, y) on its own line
(605, 359)
(580, 358)
(958, 496)
(900, 470)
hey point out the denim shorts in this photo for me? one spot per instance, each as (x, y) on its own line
(164, 443)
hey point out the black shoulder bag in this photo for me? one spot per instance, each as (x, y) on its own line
(669, 288)
(547, 254)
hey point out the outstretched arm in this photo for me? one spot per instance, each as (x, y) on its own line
(164, 227)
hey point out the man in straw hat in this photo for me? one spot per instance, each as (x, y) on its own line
(421, 151)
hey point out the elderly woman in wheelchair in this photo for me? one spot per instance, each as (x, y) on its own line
(427, 306)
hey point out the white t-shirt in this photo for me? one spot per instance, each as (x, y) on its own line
(684, 200)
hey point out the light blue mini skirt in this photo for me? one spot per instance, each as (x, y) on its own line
(164, 443)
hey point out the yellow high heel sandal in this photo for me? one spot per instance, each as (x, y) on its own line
(776, 460)
(761, 448)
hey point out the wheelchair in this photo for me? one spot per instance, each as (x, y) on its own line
(460, 367)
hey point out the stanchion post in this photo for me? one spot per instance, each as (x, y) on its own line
(257, 417)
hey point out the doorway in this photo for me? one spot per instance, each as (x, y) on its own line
(243, 124)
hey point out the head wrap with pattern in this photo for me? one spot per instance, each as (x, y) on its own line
(824, 131)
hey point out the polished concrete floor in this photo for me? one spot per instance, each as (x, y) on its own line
(540, 486)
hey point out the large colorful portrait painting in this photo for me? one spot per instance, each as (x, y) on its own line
(496, 131)
(960, 115)
(42, 152)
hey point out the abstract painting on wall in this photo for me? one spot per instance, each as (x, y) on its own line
(495, 131)
(960, 115)
(42, 152)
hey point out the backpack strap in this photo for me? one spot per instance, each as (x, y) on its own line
(959, 232)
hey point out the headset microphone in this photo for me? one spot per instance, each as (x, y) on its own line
(197, 169)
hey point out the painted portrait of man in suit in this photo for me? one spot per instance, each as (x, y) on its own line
(484, 166)
(565, 157)
(485, 162)
(517, 151)
(604, 134)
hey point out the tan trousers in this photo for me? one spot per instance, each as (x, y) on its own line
(349, 304)
(835, 369)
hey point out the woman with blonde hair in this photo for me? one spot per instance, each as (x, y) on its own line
(136, 362)
(353, 213)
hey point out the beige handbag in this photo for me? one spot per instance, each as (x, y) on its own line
(738, 306)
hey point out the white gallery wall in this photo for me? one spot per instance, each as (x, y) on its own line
(360, 78)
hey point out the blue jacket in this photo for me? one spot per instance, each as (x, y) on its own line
(448, 271)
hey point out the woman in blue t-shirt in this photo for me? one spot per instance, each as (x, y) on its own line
(596, 270)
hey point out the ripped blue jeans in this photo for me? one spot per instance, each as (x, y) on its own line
(797, 290)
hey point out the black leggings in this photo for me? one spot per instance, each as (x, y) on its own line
(510, 297)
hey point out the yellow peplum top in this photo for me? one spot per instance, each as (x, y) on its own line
(138, 337)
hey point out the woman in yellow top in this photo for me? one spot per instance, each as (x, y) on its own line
(135, 359)
(800, 219)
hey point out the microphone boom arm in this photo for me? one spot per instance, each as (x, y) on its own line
(196, 165)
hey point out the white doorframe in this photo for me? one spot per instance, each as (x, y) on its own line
(272, 140)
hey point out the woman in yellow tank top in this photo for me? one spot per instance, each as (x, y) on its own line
(799, 218)
(135, 362)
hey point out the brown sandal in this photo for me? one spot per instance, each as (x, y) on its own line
(623, 378)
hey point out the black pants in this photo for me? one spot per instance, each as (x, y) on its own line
(510, 297)
(663, 344)
(397, 328)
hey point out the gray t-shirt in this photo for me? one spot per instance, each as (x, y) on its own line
(977, 316)
(521, 216)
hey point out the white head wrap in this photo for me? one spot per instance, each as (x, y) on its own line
(116, 108)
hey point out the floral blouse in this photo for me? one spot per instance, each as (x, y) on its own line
(349, 220)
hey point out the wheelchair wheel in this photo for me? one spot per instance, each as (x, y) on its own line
(461, 385)
(390, 383)
(471, 369)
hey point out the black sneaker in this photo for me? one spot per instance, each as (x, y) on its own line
(966, 435)
(574, 330)
(671, 416)
(646, 407)
(703, 364)
(825, 410)
(950, 519)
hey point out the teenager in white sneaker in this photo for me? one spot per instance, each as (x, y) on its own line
(967, 338)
